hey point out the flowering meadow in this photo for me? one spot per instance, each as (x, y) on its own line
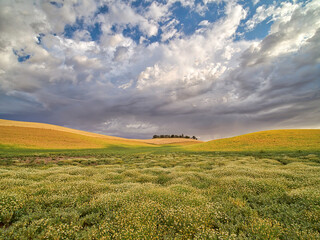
(172, 195)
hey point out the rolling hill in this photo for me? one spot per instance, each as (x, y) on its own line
(48, 136)
(272, 140)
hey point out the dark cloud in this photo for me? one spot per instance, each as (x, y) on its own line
(206, 84)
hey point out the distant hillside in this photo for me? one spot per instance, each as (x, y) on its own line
(47, 136)
(273, 140)
(4, 122)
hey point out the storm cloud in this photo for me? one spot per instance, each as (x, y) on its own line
(131, 70)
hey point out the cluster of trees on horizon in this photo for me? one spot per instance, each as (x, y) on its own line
(174, 136)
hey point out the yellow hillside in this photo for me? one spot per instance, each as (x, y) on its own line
(41, 135)
(4, 122)
(273, 140)
(38, 135)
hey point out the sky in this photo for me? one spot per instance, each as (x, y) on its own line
(209, 68)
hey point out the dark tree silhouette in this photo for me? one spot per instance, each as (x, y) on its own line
(174, 136)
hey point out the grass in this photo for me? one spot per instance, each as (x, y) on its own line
(256, 186)
(176, 195)
(274, 140)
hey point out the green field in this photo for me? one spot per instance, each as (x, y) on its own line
(272, 140)
(182, 195)
(161, 192)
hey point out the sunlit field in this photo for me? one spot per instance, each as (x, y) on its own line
(29, 135)
(273, 140)
(37, 138)
(60, 183)
(172, 195)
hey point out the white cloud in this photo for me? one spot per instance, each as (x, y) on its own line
(283, 11)
(169, 31)
(286, 36)
(59, 17)
(205, 81)
(184, 3)
(82, 35)
(115, 40)
(196, 59)
(255, 2)
(204, 23)
(120, 54)
(123, 15)
(116, 126)
(201, 9)
(212, 1)
(158, 12)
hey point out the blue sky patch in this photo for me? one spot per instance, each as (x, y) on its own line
(141, 4)
(21, 55)
(56, 4)
(39, 37)
(189, 20)
(70, 29)
(102, 10)
(94, 30)
(132, 32)
(259, 32)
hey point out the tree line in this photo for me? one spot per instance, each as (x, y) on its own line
(175, 136)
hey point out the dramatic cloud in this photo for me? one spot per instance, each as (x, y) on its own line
(133, 69)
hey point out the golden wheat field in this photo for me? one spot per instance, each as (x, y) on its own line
(27, 137)
(40, 135)
(273, 140)
(47, 136)
(4, 122)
